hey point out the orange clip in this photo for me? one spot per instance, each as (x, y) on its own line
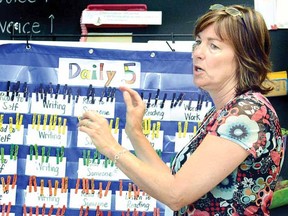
(56, 187)
(120, 187)
(100, 190)
(107, 188)
(77, 186)
(50, 187)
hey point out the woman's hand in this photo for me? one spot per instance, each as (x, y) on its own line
(97, 127)
(135, 110)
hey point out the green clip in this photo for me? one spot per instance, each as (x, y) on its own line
(11, 151)
(2, 155)
(84, 157)
(88, 157)
(48, 154)
(62, 153)
(36, 151)
(43, 154)
(16, 152)
(57, 155)
(94, 156)
(31, 152)
(98, 157)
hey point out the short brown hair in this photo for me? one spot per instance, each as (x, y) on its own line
(251, 41)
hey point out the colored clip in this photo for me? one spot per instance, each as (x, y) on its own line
(173, 99)
(89, 92)
(56, 187)
(57, 91)
(109, 91)
(149, 100)
(107, 188)
(38, 122)
(59, 124)
(10, 124)
(179, 129)
(65, 91)
(69, 94)
(45, 121)
(185, 128)
(103, 94)
(50, 90)
(78, 95)
(2, 155)
(157, 97)
(113, 92)
(1, 120)
(64, 126)
(180, 97)
(33, 120)
(45, 96)
(8, 88)
(116, 129)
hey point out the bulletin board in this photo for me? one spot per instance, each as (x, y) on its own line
(47, 166)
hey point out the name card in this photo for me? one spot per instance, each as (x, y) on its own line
(36, 199)
(187, 111)
(45, 169)
(50, 105)
(157, 143)
(47, 137)
(91, 200)
(10, 135)
(8, 196)
(83, 140)
(141, 203)
(9, 166)
(105, 108)
(99, 171)
(15, 104)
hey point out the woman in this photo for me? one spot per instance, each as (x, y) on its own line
(232, 164)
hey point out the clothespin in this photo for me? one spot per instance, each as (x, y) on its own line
(116, 129)
(107, 188)
(179, 129)
(120, 187)
(157, 97)
(56, 187)
(185, 128)
(42, 187)
(100, 190)
(173, 99)
(57, 91)
(48, 154)
(33, 120)
(77, 185)
(92, 186)
(45, 121)
(10, 124)
(14, 181)
(64, 126)
(2, 155)
(149, 100)
(38, 122)
(158, 126)
(1, 120)
(62, 153)
(54, 122)
(59, 124)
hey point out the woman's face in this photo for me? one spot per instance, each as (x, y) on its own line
(214, 64)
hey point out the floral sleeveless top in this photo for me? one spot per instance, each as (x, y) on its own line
(250, 121)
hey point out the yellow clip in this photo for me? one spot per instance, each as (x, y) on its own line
(45, 121)
(10, 124)
(19, 120)
(195, 130)
(116, 125)
(38, 121)
(64, 126)
(50, 122)
(54, 122)
(111, 124)
(59, 124)
(179, 129)
(158, 126)
(153, 131)
(1, 120)
(33, 120)
(185, 128)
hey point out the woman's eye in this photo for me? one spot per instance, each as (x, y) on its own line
(213, 46)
